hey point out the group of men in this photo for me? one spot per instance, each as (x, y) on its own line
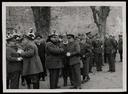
(32, 58)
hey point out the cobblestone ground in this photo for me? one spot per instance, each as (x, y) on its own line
(99, 80)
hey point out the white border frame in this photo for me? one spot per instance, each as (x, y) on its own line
(4, 4)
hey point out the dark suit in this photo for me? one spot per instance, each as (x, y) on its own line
(41, 51)
(74, 63)
(54, 62)
(98, 54)
(115, 48)
(109, 46)
(14, 67)
(65, 69)
(120, 48)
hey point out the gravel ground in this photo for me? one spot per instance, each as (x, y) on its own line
(99, 80)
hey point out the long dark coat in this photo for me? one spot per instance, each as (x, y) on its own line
(31, 61)
(109, 46)
(53, 56)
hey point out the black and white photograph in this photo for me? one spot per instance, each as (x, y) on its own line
(64, 47)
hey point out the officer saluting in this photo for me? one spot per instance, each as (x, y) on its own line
(73, 53)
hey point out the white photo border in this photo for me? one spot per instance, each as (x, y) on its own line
(5, 4)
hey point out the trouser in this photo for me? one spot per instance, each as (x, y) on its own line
(75, 76)
(32, 79)
(98, 60)
(44, 73)
(114, 55)
(85, 69)
(120, 52)
(54, 77)
(91, 62)
(111, 62)
(105, 59)
(66, 73)
(13, 80)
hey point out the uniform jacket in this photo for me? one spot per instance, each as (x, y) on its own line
(85, 50)
(11, 60)
(53, 56)
(97, 47)
(120, 45)
(41, 50)
(109, 46)
(31, 61)
(74, 49)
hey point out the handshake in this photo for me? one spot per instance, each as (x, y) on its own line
(19, 58)
(68, 54)
(20, 51)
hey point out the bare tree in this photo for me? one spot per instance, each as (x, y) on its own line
(100, 17)
(42, 20)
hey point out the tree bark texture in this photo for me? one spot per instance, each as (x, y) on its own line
(42, 20)
(100, 18)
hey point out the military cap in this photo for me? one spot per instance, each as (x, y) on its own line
(30, 36)
(10, 38)
(53, 34)
(38, 36)
(71, 35)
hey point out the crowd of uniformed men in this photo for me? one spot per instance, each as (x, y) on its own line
(31, 58)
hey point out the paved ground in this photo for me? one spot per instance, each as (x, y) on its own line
(99, 80)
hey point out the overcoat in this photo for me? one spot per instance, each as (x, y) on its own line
(54, 56)
(31, 61)
(11, 60)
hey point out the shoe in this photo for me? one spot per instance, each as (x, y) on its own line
(65, 84)
(113, 71)
(58, 87)
(73, 87)
(78, 87)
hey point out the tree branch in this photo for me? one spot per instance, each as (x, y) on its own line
(94, 11)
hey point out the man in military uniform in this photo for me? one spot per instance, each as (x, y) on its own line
(32, 66)
(98, 53)
(40, 42)
(73, 53)
(109, 46)
(54, 62)
(115, 46)
(85, 57)
(14, 64)
(120, 47)
(89, 41)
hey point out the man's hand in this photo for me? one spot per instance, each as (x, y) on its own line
(20, 51)
(68, 54)
(83, 56)
(19, 58)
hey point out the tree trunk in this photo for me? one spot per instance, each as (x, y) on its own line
(42, 20)
(100, 18)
